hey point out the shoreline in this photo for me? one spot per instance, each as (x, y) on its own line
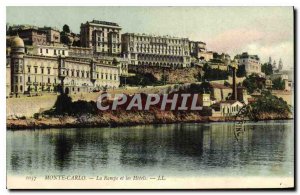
(94, 121)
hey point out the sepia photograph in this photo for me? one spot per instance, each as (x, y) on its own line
(178, 97)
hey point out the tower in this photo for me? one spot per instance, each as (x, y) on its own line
(234, 89)
(17, 65)
(280, 65)
(270, 60)
(274, 65)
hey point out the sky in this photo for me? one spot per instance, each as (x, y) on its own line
(264, 31)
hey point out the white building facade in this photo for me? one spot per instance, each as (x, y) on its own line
(251, 62)
(160, 51)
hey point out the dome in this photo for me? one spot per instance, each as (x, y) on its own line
(17, 42)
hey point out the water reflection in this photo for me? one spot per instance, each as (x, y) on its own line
(191, 149)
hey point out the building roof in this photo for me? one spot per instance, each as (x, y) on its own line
(49, 28)
(201, 42)
(98, 22)
(17, 42)
(218, 86)
(229, 102)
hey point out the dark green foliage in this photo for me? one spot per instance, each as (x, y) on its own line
(198, 77)
(211, 74)
(141, 79)
(200, 88)
(278, 84)
(64, 105)
(253, 82)
(76, 43)
(267, 68)
(269, 103)
(83, 107)
(64, 38)
(66, 28)
(241, 71)
(206, 111)
(36, 115)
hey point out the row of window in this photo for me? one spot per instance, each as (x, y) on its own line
(159, 51)
(252, 61)
(42, 70)
(87, 75)
(109, 50)
(48, 80)
(150, 46)
(113, 38)
(19, 79)
(233, 109)
(56, 52)
(166, 59)
(112, 45)
(159, 40)
(253, 67)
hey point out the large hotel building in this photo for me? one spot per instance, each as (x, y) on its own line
(103, 37)
(39, 61)
(162, 51)
(51, 69)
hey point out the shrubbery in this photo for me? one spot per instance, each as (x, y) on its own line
(269, 103)
(278, 84)
(253, 82)
(64, 105)
(141, 80)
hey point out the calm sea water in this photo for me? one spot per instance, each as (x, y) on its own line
(265, 149)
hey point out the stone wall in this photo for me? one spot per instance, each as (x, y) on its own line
(27, 106)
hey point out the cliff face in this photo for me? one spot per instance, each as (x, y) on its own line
(173, 75)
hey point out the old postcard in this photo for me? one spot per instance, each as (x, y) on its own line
(150, 97)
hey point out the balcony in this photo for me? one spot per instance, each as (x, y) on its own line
(62, 72)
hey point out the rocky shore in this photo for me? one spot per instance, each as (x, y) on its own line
(119, 119)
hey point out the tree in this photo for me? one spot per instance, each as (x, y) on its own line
(200, 88)
(241, 71)
(66, 28)
(211, 74)
(77, 43)
(140, 79)
(253, 82)
(64, 38)
(198, 76)
(269, 103)
(278, 84)
(267, 68)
